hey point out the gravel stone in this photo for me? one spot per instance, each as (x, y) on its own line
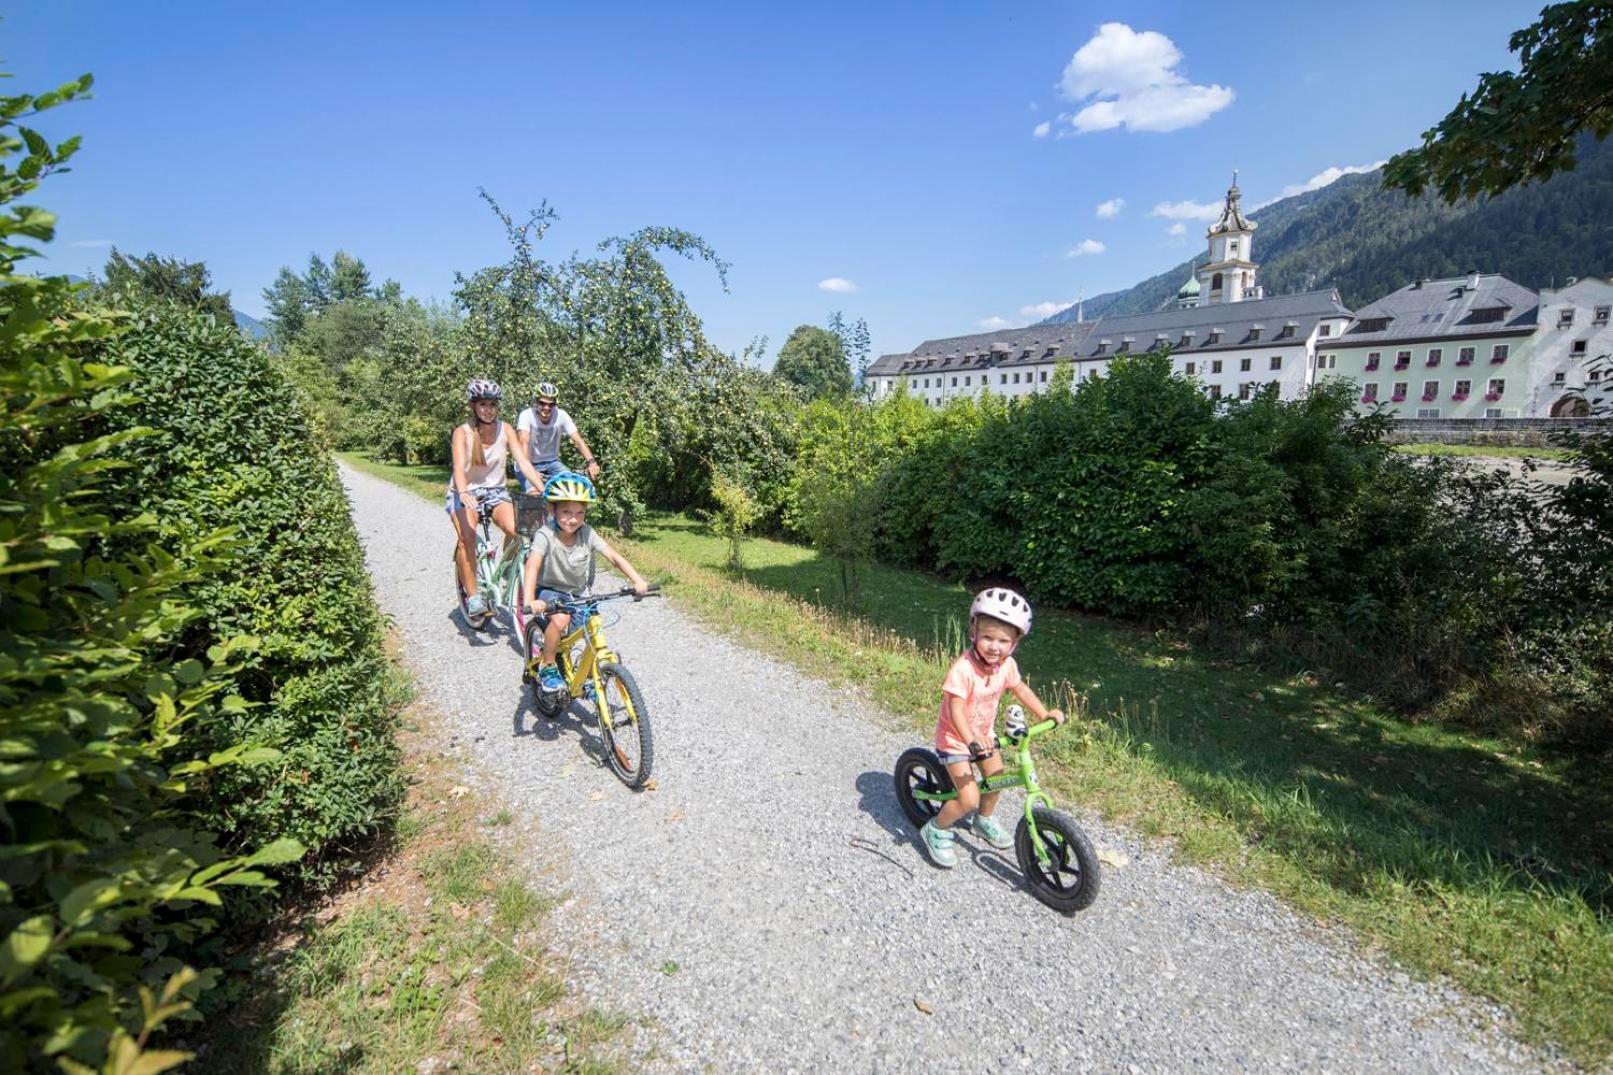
(773, 867)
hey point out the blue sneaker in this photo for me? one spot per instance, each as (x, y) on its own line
(549, 679)
(938, 844)
(991, 830)
(476, 606)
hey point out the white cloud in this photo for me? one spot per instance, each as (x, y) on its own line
(995, 322)
(1326, 176)
(1043, 310)
(837, 284)
(1041, 129)
(1110, 208)
(88, 243)
(1187, 210)
(1084, 247)
(1177, 228)
(1129, 79)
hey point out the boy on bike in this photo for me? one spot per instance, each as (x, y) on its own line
(561, 564)
(966, 733)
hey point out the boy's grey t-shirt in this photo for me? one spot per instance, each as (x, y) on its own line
(569, 570)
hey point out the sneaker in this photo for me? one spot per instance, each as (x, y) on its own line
(992, 831)
(938, 845)
(549, 679)
(476, 606)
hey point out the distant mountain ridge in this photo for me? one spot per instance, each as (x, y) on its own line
(1355, 236)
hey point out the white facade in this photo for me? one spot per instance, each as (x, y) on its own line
(1573, 350)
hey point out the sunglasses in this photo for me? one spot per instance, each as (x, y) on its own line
(546, 406)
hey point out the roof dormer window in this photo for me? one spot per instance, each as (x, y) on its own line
(1488, 314)
(1215, 337)
(1374, 324)
(1103, 348)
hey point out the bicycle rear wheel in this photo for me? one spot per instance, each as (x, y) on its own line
(1068, 880)
(624, 725)
(919, 769)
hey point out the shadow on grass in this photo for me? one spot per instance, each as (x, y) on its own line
(1353, 794)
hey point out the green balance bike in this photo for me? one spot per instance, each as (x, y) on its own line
(1059, 864)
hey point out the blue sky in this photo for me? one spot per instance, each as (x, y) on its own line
(895, 148)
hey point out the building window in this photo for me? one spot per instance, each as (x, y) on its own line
(1565, 317)
(1464, 356)
(1493, 313)
(1243, 390)
(1374, 324)
(954, 382)
(1254, 334)
(1276, 362)
(1369, 392)
(1492, 412)
(1215, 391)
(1190, 369)
(1327, 329)
(1594, 376)
(1232, 248)
(1558, 377)
(1496, 389)
(1103, 347)
(1498, 353)
(1016, 378)
(1215, 337)
(1463, 388)
(1044, 375)
(1427, 412)
(966, 380)
(1579, 347)
(1243, 365)
(1215, 282)
(1434, 355)
(1402, 359)
(1215, 366)
(1332, 362)
(1602, 314)
(1430, 391)
(1005, 378)
(1372, 360)
(1399, 392)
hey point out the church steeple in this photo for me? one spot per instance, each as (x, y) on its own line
(1229, 275)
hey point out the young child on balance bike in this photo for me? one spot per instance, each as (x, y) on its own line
(965, 733)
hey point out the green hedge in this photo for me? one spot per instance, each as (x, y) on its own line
(232, 447)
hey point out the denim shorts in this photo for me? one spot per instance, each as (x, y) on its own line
(548, 468)
(487, 498)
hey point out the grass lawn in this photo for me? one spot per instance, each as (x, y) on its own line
(1486, 860)
(433, 961)
(1491, 451)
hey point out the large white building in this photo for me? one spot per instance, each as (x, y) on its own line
(1222, 330)
(1477, 346)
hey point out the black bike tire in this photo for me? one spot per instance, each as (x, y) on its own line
(633, 778)
(1066, 842)
(920, 760)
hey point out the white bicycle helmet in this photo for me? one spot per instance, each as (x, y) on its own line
(481, 388)
(547, 390)
(1004, 605)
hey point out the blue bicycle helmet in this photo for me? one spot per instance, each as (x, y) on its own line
(569, 488)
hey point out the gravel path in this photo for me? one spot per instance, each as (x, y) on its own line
(768, 906)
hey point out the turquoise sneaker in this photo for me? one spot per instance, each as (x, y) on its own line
(938, 845)
(549, 679)
(992, 831)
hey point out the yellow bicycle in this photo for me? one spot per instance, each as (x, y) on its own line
(593, 671)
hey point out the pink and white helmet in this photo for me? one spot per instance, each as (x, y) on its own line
(1004, 605)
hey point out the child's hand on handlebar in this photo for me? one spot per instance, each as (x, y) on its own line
(1057, 716)
(978, 752)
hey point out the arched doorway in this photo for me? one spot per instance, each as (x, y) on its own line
(1571, 407)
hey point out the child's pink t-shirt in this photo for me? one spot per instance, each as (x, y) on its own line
(980, 691)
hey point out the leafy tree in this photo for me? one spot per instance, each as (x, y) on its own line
(289, 302)
(855, 342)
(349, 279)
(1521, 128)
(159, 279)
(814, 360)
(105, 877)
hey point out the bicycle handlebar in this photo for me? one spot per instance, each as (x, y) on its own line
(576, 601)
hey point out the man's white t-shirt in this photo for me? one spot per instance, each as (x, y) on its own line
(545, 439)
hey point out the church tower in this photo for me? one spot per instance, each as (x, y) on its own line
(1229, 275)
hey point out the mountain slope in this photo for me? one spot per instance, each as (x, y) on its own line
(1366, 242)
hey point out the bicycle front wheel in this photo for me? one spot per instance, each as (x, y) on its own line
(624, 725)
(1068, 880)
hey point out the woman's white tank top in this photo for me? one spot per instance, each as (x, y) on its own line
(490, 475)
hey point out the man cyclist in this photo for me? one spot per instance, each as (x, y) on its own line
(539, 429)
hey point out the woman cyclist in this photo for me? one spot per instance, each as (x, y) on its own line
(481, 448)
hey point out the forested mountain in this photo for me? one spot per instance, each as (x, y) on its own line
(1366, 241)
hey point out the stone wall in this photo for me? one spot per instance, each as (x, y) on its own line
(1523, 432)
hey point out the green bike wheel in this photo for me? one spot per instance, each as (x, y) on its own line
(624, 725)
(1068, 880)
(919, 769)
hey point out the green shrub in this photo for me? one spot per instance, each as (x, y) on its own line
(105, 879)
(232, 446)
